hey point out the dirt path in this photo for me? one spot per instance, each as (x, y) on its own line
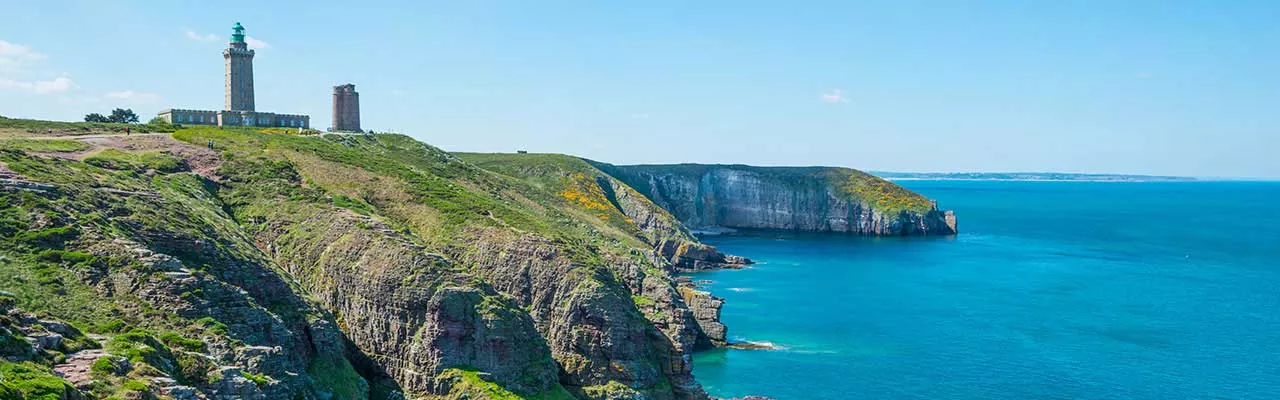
(47, 137)
(202, 160)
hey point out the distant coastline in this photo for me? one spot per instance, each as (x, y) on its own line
(1027, 176)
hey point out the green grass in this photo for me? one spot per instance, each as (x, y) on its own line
(32, 381)
(11, 344)
(212, 325)
(44, 145)
(885, 196)
(139, 162)
(135, 385)
(109, 326)
(642, 301)
(140, 347)
(176, 340)
(337, 376)
(50, 238)
(580, 187)
(49, 287)
(469, 382)
(257, 379)
(459, 194)
(104, 366)
(31, 127)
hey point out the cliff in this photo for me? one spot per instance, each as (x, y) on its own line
(349, 267)
(340, 267)
(807, 199)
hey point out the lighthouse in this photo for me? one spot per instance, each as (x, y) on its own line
(239, 58)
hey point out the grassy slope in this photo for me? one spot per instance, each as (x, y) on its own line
(376, 173)
(887, 197)
(46, 264)
(43, 145)
(436, 198)
(576, 186)
(13, 127)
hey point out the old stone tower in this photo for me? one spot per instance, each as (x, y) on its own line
(239, 72)
(346, 108)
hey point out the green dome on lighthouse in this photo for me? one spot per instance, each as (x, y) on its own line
(237, 35)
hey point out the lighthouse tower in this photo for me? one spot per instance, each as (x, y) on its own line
(240, 110)
(239, 59)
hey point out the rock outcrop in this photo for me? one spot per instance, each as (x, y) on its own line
(706, 310)
(808, 199)
(412, 314)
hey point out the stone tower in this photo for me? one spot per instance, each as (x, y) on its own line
(346, 108)
(239, 72)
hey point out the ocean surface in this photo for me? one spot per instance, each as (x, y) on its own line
(1052, 290)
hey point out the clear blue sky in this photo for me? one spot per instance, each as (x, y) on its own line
(1152, 87)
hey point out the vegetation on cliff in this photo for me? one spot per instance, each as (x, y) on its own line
(89, 249)
(338, 266)
(580, 187)
(888, 197)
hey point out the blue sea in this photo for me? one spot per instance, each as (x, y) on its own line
(1052, 290)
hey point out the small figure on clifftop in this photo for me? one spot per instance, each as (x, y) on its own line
(210, 144)
(126, 131)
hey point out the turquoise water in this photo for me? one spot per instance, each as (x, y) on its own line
(1053, 290)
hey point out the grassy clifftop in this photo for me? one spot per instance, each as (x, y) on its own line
(305, 243)
(578, 186)
(15, 127)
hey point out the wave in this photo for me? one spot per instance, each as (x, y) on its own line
(755, 345)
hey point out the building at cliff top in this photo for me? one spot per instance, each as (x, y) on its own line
(346, 109)
(240, 109)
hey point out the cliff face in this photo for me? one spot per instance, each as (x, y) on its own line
(448, 278)
(783, 198)
(369, 266)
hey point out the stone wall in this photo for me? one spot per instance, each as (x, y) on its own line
(189, 117)
(265, 119)
(235, 118)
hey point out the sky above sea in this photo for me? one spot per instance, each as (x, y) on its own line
(1140, 87)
